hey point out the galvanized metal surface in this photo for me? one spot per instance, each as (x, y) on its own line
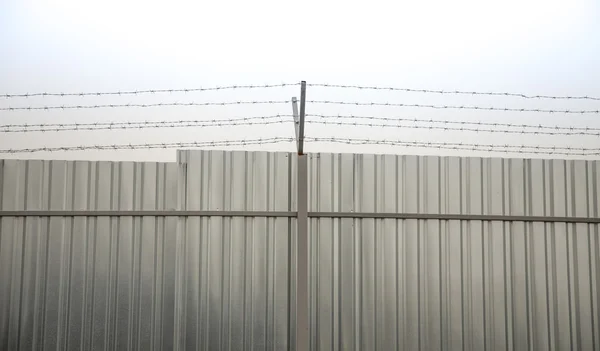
(301, 116)
(235, 274)
(146, 283)
(376, 284)
(386, 284)
(451, 285)
(302, 256)
(86, 283)
(453, 185)
(144, 213)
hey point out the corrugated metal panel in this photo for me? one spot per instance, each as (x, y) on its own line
(428, 184)
(79, 283)
(235, 272)
(224, 283)
(385, 284)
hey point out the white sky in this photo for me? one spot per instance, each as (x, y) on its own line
(530, 46)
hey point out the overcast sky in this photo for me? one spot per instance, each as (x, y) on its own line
(535, 47)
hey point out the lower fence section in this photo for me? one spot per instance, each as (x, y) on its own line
(226, 283)
(385, 284)
(145, 283)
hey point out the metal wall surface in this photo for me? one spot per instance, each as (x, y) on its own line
(212, 283)
(386, 284)
(235, 272)
(469, 185)
(87, 283)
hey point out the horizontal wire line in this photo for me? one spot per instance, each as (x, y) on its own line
(532, 147)
(274, 102)
(241, 142)
(526, 149)
(321, 119)
(454, 92)
(323, 85)
(480, 108)
(150, 91)
(161, 104)
(199, 124)
(477, 123)
(456, 129)
(61, 127)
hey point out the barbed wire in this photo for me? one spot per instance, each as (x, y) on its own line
(505, 146)
(337, 120)
(477, 123)
(62, 127)
(275, 102)
(182, 145)
(523, 149)
(160, 104)
(454, 92)
(460, 129)
(150, 91)
(281, 85)
(538, 130)
(464, 107)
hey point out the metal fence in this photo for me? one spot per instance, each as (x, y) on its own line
(405, 253)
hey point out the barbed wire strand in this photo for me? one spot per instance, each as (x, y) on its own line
(457, 129)
(161, 104)
(524, 149)
(476, 123)
(274, 102)
(323, 85)
(453, 92)
(150, 91)
(217, 143)
(62, 127)
(464, 107)
(521, 147)
(322, 120)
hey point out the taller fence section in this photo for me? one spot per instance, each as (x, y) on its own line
(404, 253)
(236, 268)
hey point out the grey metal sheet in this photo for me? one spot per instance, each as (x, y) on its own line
(384, 284)
(453, 185)
(83, 185)
(237, 181)
(235, 272)
(376, 284)
(233, 284)
(87, 283)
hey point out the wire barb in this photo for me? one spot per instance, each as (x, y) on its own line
(481, 108)
(151, 91)
(455, 92)
(179, 145)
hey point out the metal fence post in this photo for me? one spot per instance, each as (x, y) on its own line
(302, 322)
